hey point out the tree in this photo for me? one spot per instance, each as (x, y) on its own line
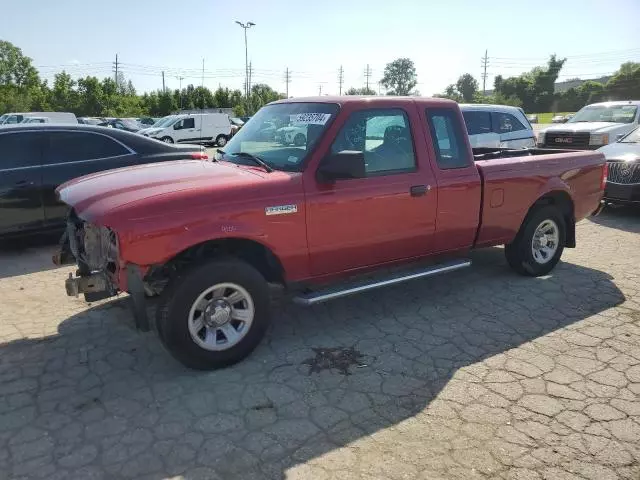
(90, 97)
(16, 69)
(467, 87)
(625, 83)
(360, 91)
(534, 89)
(64, 97)
(399, 77)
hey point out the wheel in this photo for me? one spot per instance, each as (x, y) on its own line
(214, 315)
(299, 140)
(221, 140)
(539, 244)
(167, 139)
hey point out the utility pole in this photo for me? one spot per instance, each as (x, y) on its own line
(320, 89)
(287, 80)
(246, 26)
(116, 79)
(340, 78)
(250, 74)
(180, 80)
(367, 75)
(485, 61)
(163, 89)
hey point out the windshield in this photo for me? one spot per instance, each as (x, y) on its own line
(606, 113)
(3, 118)
(281, 149)
(633, 137)
(163, 122)
(8, 119)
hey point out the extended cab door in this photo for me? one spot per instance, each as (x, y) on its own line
(387, 216)
(20, 181)
(459, 185)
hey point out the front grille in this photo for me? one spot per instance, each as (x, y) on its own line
(568, 140)
(624, 173)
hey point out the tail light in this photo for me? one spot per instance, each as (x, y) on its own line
(605, 174)
(199, 156)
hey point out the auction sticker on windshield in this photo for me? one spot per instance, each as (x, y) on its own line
(311, 118)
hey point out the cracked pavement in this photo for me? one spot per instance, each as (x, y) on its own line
(477, 374)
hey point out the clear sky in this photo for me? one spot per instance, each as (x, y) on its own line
(313, 38)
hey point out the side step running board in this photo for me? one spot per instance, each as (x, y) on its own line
(320, 296)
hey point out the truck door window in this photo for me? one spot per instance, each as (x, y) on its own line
(506, 123)
(451, 150)
(383, 136)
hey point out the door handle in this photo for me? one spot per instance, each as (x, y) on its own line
(419, 190)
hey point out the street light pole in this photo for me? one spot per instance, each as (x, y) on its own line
(246, 26)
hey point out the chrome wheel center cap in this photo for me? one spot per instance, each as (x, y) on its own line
(217, 313)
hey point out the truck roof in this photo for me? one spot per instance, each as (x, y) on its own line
(361, 99)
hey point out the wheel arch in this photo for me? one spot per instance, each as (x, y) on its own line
(255, 253)
(563, 201)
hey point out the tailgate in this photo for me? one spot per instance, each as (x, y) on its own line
(512, 185)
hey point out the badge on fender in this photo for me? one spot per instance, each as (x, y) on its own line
(281, 210)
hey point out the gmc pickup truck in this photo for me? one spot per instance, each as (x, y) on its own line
(378, 182)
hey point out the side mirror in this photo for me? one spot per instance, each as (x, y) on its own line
(177, 126)
(346, 164)
(620, 136)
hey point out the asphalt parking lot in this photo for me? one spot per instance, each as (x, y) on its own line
(479, 374)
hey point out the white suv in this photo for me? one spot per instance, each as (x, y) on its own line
(497, 126)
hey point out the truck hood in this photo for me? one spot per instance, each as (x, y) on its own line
(153, 189)
(595, 127)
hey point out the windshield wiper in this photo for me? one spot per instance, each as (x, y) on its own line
(256, 159)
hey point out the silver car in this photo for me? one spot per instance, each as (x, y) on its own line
(497, 126)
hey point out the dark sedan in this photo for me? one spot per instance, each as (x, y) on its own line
(623, 159)
(122, 124)
(35, 159)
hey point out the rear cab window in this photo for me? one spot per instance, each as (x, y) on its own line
(448, 138)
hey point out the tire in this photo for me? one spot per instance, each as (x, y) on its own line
(520, 253)
(299, 140)
(167, 139)
(221, 140)
(211, 348)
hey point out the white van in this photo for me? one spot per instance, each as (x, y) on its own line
(54, 117)
(207, 128)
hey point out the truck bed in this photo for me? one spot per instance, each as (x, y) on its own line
(514, 179)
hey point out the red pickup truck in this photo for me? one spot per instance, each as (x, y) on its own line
(366, 183)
